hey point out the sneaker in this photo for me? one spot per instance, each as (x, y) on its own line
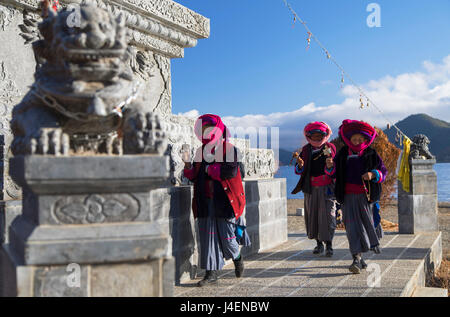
(319, 248)
(355, 268)
(210, 278)
(239, 266)
(363, 264)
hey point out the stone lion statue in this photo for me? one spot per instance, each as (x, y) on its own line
(419, 148)
(84, 98)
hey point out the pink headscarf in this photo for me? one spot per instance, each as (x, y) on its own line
(351, 127)
(217, 133)
(317, 127)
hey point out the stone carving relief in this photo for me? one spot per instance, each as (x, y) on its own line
(164, 105)
(12, 190)
(144, 24)
(175, 13)
(166, 10)
(142, 63)
(28, 4)
(96, 209)
(179, 131)
(154, 69)
(145, 31)
(29, 27)
(153, 43)
(259, 163)
(6, 17)
(9, 94)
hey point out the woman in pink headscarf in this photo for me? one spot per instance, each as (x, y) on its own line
(359, 171)
(219, 198)
(317, 186)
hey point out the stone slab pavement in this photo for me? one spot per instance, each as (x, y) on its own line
(292, 270)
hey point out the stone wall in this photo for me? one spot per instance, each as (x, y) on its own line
(259, 163)
(266, 213)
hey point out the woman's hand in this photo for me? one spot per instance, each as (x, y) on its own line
(186, 157)
(300, 162)
(329, 162)
(368, 176)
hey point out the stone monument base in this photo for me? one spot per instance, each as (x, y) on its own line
(417, 209)
(96, 280)
(87, 228)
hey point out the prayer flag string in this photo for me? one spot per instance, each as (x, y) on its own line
(343, 72)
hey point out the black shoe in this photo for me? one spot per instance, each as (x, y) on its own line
(329, 251)
(319, 248)
(355, 268)
(210, 278)
(363, 264)
(376, 249)
(239, 266)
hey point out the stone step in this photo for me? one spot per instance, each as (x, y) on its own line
(292, 270)
(430, 292)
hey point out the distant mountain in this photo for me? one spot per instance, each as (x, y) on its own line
(438, 131)
(284, 156)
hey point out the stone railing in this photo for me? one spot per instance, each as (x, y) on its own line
(259, 163)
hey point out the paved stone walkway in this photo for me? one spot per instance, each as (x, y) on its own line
(292, 270)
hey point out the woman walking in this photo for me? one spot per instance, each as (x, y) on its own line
(317, 186)
(219, 198)
(359, 172)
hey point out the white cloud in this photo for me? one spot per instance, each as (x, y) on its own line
(426, 91)
(190, 114)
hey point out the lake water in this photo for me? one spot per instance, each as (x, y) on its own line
(442, 170)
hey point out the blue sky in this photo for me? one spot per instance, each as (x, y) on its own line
(255, 64)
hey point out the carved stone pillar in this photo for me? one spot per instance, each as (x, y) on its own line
(418, 209)
(91, 215)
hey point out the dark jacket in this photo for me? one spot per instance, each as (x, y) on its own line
(371, 162)
(304, 183)
(229, 196)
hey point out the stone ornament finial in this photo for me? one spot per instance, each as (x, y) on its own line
(419, 148)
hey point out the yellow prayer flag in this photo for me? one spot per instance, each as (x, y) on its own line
(403, 173)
